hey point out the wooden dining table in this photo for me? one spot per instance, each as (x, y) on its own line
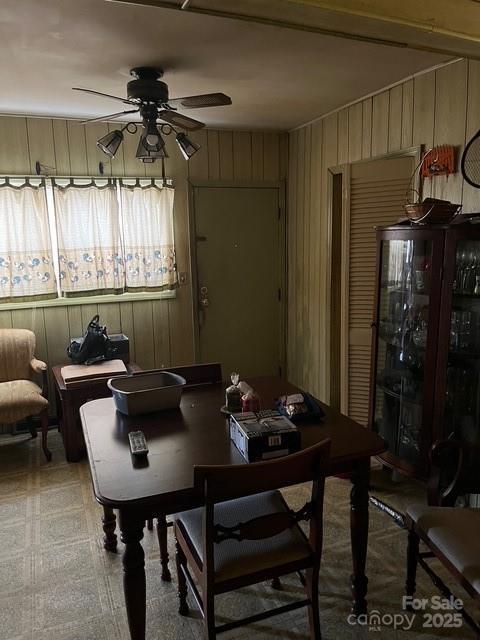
(197, 433)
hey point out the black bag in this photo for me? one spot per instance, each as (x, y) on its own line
(94, 347)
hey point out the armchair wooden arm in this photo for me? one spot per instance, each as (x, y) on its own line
(40, 367)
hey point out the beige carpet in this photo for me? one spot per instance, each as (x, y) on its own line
(58, 583)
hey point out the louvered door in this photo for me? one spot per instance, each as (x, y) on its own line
(377, 196)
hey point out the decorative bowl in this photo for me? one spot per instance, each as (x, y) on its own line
(431, 211)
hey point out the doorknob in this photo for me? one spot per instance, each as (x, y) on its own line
(204, 301)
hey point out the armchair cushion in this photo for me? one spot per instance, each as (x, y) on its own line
(20, 399)
(455, 532)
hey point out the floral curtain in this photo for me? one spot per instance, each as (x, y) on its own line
(26, 265)
(89, 240)
(149, 251)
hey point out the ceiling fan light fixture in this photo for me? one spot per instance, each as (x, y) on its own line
(148, 96)
(151, 136)
(186, 146)
(150, 153)
(110, 142)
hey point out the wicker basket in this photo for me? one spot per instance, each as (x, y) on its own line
(431, 211)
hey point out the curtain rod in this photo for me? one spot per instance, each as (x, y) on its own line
(19, 176)
(83, 182)
(35, 182)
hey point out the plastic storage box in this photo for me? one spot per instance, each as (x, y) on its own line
(146, 392)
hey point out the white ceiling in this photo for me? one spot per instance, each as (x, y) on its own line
(278, 78)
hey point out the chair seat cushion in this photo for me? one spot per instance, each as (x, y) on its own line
(455, 532)
(236, 559)
(20, 399)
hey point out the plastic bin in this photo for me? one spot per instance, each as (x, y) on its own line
(146, 392)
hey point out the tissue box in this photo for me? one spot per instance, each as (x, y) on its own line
(263, 435)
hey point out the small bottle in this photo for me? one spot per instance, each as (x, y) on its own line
(408, 280)
(233, 395)
(476, 290)
(465, 331)
(250, 402)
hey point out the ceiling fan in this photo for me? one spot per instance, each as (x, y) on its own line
(148, 96)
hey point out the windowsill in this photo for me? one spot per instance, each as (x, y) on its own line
(105, 299)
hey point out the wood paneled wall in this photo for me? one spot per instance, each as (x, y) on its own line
(161, 331)
(438, 107)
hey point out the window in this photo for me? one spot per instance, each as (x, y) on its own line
(26, 257)
(148, 237)
(89, 239)
(70, 237)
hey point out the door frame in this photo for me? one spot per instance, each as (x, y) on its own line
(280, 185)
(345, 170)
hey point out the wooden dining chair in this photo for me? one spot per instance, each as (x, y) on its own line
(195, 375)
(450, 534)
(246, 534)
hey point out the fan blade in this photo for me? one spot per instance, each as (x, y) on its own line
(104, 95)
(179, 120)
(111, 115)
(206, 100)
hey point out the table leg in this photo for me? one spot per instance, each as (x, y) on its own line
(58, 404)
(131, 528)
(68, 428)
(109, 522)
(359, 534)
(162, 533)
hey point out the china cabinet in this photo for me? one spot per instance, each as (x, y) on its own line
(425, 381)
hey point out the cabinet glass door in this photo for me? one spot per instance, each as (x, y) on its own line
(462, 405)
(403, 320)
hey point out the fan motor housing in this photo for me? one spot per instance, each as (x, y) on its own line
(147, 90)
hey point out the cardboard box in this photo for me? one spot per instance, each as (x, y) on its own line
(263, 435)
(75, 374)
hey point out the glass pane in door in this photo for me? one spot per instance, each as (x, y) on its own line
(402, 343)
(462, 409)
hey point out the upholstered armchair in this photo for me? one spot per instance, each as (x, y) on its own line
(20, 396)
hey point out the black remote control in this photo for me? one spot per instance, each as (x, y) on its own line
(138, 444)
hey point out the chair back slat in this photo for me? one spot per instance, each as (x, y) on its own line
(233, 481)
(209, 373)
(204, 373)
(222, 483)
(263, 526)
